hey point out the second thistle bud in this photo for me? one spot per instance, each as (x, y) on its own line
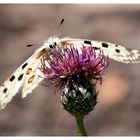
(79, 95)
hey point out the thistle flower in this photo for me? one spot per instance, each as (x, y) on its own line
(73, 70)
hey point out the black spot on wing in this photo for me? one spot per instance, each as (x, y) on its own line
(5, 90)
(20, 77)
(12, 78)
(24, 65)
(87, 42)
(96, 48)
(105, 45)
(117, 50)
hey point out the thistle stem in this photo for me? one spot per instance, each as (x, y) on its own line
(80, 124)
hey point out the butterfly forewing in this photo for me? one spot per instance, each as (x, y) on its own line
(26, 76)
(113, 51)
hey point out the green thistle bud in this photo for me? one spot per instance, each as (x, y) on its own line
(79, 96)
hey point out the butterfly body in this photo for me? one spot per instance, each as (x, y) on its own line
(28, 75)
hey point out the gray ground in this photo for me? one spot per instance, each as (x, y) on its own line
(118, 109)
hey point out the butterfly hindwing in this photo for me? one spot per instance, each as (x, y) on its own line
(33, 78)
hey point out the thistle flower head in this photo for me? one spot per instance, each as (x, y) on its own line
(73, 70)
(66, 63)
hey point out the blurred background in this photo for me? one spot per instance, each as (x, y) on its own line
(41, 113)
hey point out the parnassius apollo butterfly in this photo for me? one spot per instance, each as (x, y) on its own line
(28, 75)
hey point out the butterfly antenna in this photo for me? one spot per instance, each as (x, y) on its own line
(62, 21)
(30, 45)
(57, 29)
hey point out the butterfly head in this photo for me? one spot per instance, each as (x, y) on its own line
(53, 42)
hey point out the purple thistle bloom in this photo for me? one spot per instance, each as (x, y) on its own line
(64, 63)
(73, 70)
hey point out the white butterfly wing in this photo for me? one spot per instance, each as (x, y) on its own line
(113, 51)
(118, 52)
(33, 78)
(26, 76)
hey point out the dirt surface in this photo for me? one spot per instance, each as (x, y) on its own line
(118, 109)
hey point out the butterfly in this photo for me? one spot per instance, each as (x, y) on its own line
(28, 75)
